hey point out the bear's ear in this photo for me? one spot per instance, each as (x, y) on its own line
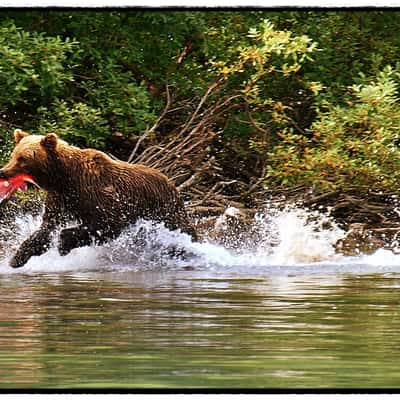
(49, 142)
(19, 134)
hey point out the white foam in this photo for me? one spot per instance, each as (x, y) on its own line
(303, 238)
(291, 237)
(82, 259)
(381, 257)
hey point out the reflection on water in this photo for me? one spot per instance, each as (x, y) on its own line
(197, 329)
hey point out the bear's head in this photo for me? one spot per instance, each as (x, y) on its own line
(33, 155)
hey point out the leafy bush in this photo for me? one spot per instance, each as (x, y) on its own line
(33, 67)
(49, 83)
(79, 123)
(124, 104)
(352, 145)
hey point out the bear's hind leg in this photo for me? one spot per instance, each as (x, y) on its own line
(80, 236)
(70, 238)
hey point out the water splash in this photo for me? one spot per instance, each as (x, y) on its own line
(304, 237)
(291, 237)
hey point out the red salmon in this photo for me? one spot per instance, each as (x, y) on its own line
(9, 186)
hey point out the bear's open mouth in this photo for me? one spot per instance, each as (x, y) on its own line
(18, 182)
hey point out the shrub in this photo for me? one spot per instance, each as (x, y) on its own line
(33, 67)
(352, 145)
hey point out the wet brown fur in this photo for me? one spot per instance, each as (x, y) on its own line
(103, 194)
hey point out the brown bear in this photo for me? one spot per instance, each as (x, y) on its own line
(103, 194)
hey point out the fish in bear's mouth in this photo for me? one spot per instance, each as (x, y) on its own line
(18, 182)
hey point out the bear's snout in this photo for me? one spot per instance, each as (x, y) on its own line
(3, 175)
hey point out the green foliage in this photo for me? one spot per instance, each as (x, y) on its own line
(356, 144)
(269, 51)
(6, 144)
(260, 66)
(75, 86)
(78, 123)
(351, 42)
(122, 61)
(124, 104)
(32, 66)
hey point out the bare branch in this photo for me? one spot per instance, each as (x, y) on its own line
(201, 103)
(154, 127)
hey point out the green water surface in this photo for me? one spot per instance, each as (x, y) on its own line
(188, 329)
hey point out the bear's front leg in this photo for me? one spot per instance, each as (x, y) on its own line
(37, 244)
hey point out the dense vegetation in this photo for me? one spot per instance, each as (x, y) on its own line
(269, 99)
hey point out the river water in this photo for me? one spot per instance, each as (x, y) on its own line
(292, 316)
